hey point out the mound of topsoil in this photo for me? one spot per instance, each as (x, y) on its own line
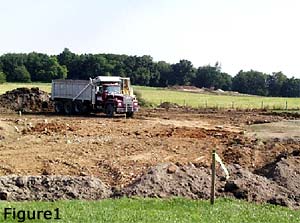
(168, 105)
(14, 188)
(285, 171)
(255, 188)
(167, 180)
(280, 185)
(26, 100)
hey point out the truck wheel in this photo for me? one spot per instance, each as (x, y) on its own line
(68, 107)
(59, 107)
(86, 108)
(110, 110)
(129, 114)
(78, 106)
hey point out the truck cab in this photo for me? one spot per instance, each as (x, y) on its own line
(115, 95)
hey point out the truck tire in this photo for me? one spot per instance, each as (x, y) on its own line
(110, 110)
(129, 114)
(59, 107)
(86, 108)
(78, 107)
(68, 107)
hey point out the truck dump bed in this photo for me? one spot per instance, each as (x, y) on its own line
(72, 89)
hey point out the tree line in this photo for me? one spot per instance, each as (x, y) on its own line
(17, 67)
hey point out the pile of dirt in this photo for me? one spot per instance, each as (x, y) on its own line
(45, 127)
(168, 105)
(255, 188)
(49, 188)
(26, 100)
(167, 180)
(285, 171)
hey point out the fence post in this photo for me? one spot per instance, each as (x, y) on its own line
(262, 104)
(206, 104)
(232, 105)
(213, 177)
(286, 105)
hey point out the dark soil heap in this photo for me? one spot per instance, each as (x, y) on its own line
(276, 183)
(167, 180)
(25, 100)
(15, 188)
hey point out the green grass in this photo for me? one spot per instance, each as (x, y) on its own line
(157, 210)
(157, 95)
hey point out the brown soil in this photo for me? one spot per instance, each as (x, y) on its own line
(51, 188)
(25, 100)
(119, 151)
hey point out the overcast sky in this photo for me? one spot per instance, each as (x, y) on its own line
(263, 35)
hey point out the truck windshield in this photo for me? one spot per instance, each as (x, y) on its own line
(112, 89)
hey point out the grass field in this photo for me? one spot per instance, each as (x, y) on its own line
(157, 210)
(157, 95)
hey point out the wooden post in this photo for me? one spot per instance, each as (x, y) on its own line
(286, 105)
(213, 177)
(262, 104)
(232, 105)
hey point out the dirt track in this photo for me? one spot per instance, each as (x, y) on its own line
(119, 150)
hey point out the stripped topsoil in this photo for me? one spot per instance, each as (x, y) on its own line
(162, 152)
(276, 183)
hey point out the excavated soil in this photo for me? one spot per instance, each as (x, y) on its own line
(18, 188)
(25, 100)
(161, 152)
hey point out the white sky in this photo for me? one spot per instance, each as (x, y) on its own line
(263, 35)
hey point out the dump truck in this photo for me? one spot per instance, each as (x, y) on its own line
(109, 94)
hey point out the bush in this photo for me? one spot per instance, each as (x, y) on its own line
(2, 77)
(142, 101)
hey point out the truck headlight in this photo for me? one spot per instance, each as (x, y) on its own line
(119, 104)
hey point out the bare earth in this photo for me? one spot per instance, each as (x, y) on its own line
(118, 150)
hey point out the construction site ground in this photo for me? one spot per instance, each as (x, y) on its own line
(118, 150)
(160, 152)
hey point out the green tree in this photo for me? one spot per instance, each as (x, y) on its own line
(275, 83)
(250, 82)
(182, 73)
(212, 77)
(141, 76)
(21, 74)
(44, 68)
(165, 71)
(291, 88)
(10, 62)
(2, 77)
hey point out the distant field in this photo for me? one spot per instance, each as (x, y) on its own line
(157, 95)
(160, 211)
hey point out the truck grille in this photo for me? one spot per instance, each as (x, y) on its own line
(128, 101)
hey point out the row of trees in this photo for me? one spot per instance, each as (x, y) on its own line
(142, 71)
(31, 67)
